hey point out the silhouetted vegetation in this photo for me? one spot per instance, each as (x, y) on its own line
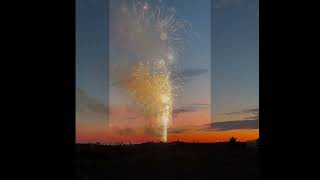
(176, 160)
(233, 140)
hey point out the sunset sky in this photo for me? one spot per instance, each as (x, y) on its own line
(220, 67)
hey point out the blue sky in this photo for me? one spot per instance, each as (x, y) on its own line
(227, 47)
(235, 55)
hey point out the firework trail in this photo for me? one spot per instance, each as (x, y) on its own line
(149, 84)
(150, 38)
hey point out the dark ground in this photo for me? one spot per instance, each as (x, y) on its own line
(222, 161)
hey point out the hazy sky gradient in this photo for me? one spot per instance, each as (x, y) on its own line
(225, 44)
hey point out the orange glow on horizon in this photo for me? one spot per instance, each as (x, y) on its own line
(197, 136)
(125, 130)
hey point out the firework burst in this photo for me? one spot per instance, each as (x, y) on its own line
(150, 30)
(150, 86)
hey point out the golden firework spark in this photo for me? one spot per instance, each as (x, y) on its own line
(149, 30)
(149, 85)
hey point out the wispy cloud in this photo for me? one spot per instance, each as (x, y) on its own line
(88, 107)
(250, 122)
(190, 108)
(187, 75)
(178, 130)
(250, 111)
(233, 125)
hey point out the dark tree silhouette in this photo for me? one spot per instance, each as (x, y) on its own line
(232, 140)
